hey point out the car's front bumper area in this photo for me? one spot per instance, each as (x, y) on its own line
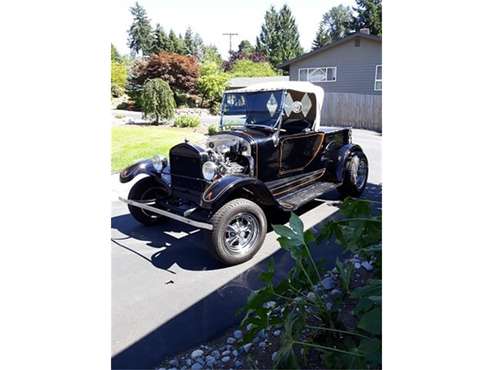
(177, 217)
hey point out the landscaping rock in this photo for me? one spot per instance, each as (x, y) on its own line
(335, 292)
(311, 296)
(226, 353)
(189, 362)
(277, 333)
(328, 283)
(230, 340)
(196, 366)
(247, 347)
(357, 265)
(238, 364)
(262, 345)
(196, 354)
(216, 354)
(238, 334)
(173, 363)
(225, 359)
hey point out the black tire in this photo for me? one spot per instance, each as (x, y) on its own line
(350, 186)
(146, 189)
(233, 211)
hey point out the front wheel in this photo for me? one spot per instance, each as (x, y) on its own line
(239, 229)
(146, 190)
(355, 176)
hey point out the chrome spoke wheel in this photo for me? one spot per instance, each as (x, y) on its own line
(241, 233)
(359, 171)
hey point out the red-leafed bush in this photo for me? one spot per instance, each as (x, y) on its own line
(179, 71)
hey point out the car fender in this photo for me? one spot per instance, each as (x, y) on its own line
(221, 190)
(343, 155)
(144, 167)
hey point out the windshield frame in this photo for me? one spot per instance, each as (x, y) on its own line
(272, 128)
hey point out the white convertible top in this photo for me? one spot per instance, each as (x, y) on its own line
(301, 86)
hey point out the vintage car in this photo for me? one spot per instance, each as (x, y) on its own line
(270, 153)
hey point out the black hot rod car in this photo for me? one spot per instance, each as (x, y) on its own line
(270, 153)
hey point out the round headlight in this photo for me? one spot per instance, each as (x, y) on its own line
(209, 170)
(157, 163)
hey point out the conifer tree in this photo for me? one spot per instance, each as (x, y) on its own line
(140, 32)
(368, 15)
(279, 38)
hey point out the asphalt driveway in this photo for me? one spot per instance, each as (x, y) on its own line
(168, 294)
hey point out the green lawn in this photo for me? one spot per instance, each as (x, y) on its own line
(131, 143)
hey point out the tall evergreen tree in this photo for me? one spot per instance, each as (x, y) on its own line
(140, 32)
(368, 15)
(279, 37)
(338, 22)
(189, 46)
(322, 37)
(193, 43)
(160, 40)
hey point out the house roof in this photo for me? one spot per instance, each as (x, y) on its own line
(329, 46)
(238, 82)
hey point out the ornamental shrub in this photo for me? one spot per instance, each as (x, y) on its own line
(157, 100)
(248, 68)
(212, 129)
(187, 121)
(180, 71)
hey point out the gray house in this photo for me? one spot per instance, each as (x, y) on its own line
(350, 72)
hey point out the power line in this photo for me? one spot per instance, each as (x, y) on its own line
(230, 34)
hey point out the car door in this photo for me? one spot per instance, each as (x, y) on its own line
(297, 151)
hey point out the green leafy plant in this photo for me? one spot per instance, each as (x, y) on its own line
(157, 100)
(344, 327)
(212, 129)
(187, 121)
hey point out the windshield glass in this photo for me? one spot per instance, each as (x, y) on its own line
(256, 109)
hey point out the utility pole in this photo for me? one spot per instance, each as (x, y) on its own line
(230, 34)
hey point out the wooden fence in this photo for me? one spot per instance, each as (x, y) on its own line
(355, 110)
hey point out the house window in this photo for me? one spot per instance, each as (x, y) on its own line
(378, 78)
(321, 74)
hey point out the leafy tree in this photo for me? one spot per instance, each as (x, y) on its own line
(211, 54)
(368, 15)
(246, 47)
(279, 38)
(337, 22)
(115, 55)
(140, 32)
(321, 38)
(160, 40)
(118, 74)
(157, 100)
(248, 68)
(180, 71)
(212, 82)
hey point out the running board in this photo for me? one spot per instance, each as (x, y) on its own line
(295, 200)
(185, 220)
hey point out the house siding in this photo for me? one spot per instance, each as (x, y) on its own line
(355, 66)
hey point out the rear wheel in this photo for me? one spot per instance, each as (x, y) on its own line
(355, 176)
(146, 190)
(239, 229)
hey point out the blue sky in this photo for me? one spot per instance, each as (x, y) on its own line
(214, 17)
